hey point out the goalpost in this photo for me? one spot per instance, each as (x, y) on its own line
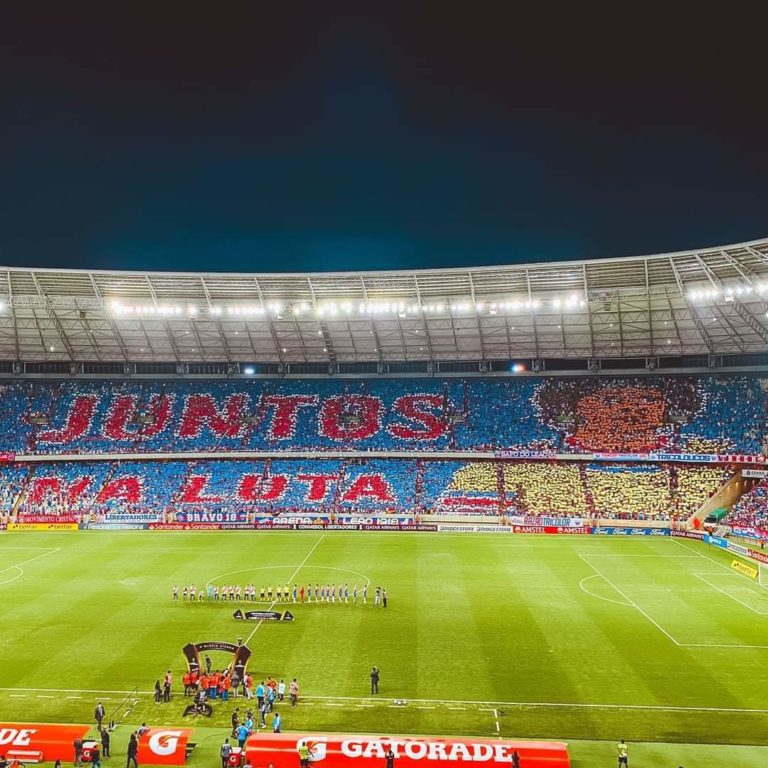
(762, 575)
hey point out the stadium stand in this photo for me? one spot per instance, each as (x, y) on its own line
(272, 486)
(725, 414)
(751, 511)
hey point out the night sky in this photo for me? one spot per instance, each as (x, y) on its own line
(226, 136)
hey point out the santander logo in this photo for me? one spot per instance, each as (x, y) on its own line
(164, 742)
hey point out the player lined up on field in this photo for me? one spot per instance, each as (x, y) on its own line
(325, 593)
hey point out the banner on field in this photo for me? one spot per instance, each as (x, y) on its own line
(745, 569)
(557, 522)
(116, 526)
(262, 615)
(549, 529)
(163, 746)
(718, 541)
(682, 534)
(22, 741)
(47, 519)
(761, 557)
(525, 454)
(342, 751)
(622, 531)
(235, 516)
(459, 528)
(132, 517)
(43, 526)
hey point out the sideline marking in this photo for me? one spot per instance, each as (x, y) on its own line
(290, 579)
(633, 604)
(312, 700)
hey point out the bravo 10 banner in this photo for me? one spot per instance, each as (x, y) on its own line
(39, 741)
(341, 751)
(163, 746)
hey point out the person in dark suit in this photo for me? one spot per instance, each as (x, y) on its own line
(105, 742)
(133, 749)
(99, 713)
(374, 680)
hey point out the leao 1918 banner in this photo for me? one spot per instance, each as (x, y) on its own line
(335, 750)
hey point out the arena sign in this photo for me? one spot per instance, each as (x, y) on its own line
(346, 751)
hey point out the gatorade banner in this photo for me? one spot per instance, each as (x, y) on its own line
(164, 746)
(334, 750)
(40, 741)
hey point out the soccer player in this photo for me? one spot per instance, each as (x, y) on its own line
(354, 594)
(295, 591)
(623, 753)
(365, 594)
(301, 593)
(184, 595)
(377, 596)
(175, 591)
(346, 593)
(384, 597)
(287, 594)
(261, 594)
(269, 593)
(293, 691)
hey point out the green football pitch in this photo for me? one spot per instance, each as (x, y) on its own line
(584, 639)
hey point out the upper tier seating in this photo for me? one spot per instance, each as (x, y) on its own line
(682, 414)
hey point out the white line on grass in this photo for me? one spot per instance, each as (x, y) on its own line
(632, 602)
(290, 579)
(599, 597)
(367, 701)
(496, 718)
(701, 576)
(712, 559)
(31, 559)
(623, 556)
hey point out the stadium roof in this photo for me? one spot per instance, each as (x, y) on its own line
(707, 301)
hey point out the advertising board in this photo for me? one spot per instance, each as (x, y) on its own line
(349, 751)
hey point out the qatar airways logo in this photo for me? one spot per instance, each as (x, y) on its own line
(428, 750)
(164, 742)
